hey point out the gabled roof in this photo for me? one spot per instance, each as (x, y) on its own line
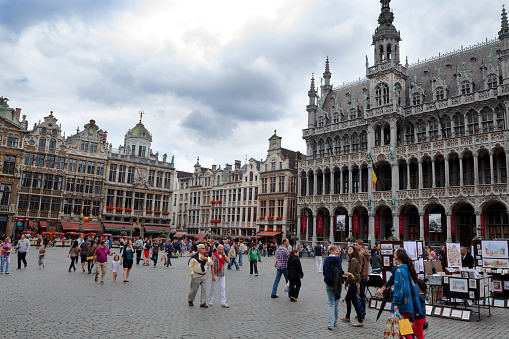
(292, 156)
(182, 174)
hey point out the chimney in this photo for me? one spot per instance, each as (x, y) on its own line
(228, 167)
(18, 113)
(214, 168)
(237, 164)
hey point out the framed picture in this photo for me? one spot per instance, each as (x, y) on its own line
(481, 293)
(499, 303)
(495, 263)
(386, 246)
(466, 315)
(419, 248)
(446, 280)
(396, 246)
(456, 314)
(472, 284)
(497, 286)
(471, 295)
(478, 247)
(479, 262)
(411, 249)
(506, 285)
(470, 302)
(453, 255)
(387, 261)
(494, 249)
(386, 252)
(481, 284)
(458, 285)
(446, 312)
(373, 303)
(438, 311)
(429, 309)
(378, 304)
(464, 274)
(388, 306)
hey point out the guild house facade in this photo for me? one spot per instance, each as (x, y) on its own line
(409, 143)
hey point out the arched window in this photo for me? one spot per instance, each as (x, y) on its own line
(492, 80)
(421, 130)
(364, 140)
(409, 133)
(416, 99)
(487, 119)
(397, 93)
(329, 147)
(52, 144)
(378, 136)
(42, 142)
(459, 124)
(382, 94)
(321, 148)
(337, 145)
(440, 93)
(346, 144)
(500, 113)
(355, 142)
(314, 149)
(336, 118)
(472, 122)
(446, 121)
(250, 176)
(389, 50)
(321, 121)
(465, 87)
(433, 128)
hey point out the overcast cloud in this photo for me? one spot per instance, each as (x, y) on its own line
(214, 77)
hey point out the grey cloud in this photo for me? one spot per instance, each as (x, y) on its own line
(207, 126)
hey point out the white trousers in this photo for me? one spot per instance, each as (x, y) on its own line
(318, 260)
(222, 282)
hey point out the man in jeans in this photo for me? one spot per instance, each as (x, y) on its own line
(242, 249)
(318, 257)
(233, 256)
(364, 256)
(282, 255)
(23, 247)
(101, 260)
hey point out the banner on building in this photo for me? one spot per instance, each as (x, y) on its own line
(355, 225)
(435, 223)
(483, 226)
(426, 224)
(340, 223)
(401, 225)
(377, 225)
(319, 225)
(304, 223)
(453, 225)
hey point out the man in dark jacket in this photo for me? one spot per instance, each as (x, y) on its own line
(364, 261)
(467, 260)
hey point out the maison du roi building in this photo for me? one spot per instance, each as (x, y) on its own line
(409, 146)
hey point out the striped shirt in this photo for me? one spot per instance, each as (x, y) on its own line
(282, 257)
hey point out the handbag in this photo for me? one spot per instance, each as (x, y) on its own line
(391, 329)
(405, 328)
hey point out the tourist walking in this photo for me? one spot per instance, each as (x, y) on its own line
(242, 251)
(115, 264)
(146, 252)
(90, 255)
(74, 252)
(219, 260)
(101, 260)
(138, 246)
(127, 260)
(83, 251)
(318, 257)
(41, 255)
(364, 259)
(23, 247)
(5, 255)
(168, 252)
(198, 265)
(281, 266)
(233, 256)
(294, 274)
(333, 286)
(155, 252)
(352, 287)
(254, 256)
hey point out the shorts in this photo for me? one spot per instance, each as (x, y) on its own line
(147, 253)
(41, 260)
(101, 267)
(83, 259)
(128, 264)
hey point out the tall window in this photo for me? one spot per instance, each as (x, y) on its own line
(128, 199)
(465, 87)
(440, 93)
(130, 175)
(459, 124)
(84, 146)
(280, 208)
(272, 206)
(50, 161)
(121, 173)
(272, 185)
(416, 99)
(67, 206)
(60, 163)
(98, 186)
(72, 165)
(281, 183)
(86, 207)
(93, 147)
(79, 185)
(9, 164)
(263, 208)
(364, 141)
(55, 204)
(39, 160)
(23, 202)
(100, 169)
(492, 81)
(487, 118)
(69, 186)
(89, 184)
(382, 94)
(5, 194)
(82, 165)
(29, 159)
(58, 182)
(138, 201)
(264, 185)
(151, 174)
(113, 173)
(159, 179)
(473, 122)
(110, 196)
(91, 167)
(433, 128)
(48, 181)
(26, 179)
(355, 142)
(12, 141)
(96, 208)
(42, 144)
(77, 207)
(421, 130)
(52, 144)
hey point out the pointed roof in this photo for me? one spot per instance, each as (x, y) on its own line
(312, 88)
(327, 69)
(504, 32)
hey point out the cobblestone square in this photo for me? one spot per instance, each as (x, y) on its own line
(50, 302)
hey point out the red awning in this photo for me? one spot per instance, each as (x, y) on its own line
(157, 229)
(178, 235)
(199, 235)
(269, 234)
(91, 227)
(44, 223)
(118, 227)
(72, 226)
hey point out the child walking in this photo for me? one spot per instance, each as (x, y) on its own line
(115, 264)
(420, 319)
(41, 255)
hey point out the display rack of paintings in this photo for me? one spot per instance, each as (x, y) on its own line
(492, 257)
(387, 249)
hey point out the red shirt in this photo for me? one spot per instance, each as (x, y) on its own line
(10, 248)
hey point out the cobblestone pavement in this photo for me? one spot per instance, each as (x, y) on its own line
(54, 303)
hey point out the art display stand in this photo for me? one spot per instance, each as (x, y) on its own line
(387, 249)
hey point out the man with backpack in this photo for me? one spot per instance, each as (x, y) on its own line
(138, 246)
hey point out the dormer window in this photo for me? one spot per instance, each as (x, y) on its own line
(320, 122)
(465, 87)
(416, 99)
(336, 118)
(439, 92)
(492, 81)
(43, 130)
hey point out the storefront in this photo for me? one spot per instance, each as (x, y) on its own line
(118, 229)
(152, 231)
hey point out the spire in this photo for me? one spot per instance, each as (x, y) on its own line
(504, 32)
(327, 70)
(386, 17)
(327, 74)
(312, 89)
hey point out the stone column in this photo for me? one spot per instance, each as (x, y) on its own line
(477, 220)
(324, 177)
(315, 222)
(350, 183)
(315, 184)
(422, 235)
(446, 168)
(371, 228)
(299, 226)
(449, 236)
(461, 171)
(395, 225)
(350, 230)
(370, 178)
(341, 182)
(395, 179)
(332, 229)
(420, 173)
(408, 176)
(492, 181)
(433, 181)
(476, 174)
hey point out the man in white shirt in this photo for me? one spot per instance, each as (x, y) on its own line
(242, 249)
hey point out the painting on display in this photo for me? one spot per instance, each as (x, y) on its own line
(458, 285)
(494, 249)
(453, 255)
(411, 249)
(495, 263)
(340, 223)
(435, 223)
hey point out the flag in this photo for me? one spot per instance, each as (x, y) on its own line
(374, 176)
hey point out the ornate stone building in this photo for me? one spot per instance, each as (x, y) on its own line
(43, 176)
(278, 193)
(138, 187)
(433, 133)
(12, 132)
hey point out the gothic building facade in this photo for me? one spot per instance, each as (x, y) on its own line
(410, 146)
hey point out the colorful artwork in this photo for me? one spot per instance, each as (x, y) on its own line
(386, 252)
(495, 263)
(494, 249)
(453, 255)
(458, 285)
(497, 285)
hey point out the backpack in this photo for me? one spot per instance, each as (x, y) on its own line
(329, 276)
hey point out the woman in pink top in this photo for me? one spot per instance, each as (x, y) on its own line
(432, 254)
(5, 256)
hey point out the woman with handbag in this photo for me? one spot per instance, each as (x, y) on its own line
(405, 298)
(352, 286)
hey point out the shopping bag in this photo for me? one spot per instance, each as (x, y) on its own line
(391, 330)
(287, 287)
(405, 328)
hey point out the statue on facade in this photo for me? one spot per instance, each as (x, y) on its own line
(369, 201)
(368, 155)
(3, 100)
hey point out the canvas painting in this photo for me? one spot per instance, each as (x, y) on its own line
(429, 309)
(373, 303)
(453, 255)
(495, 263)
(458, 285)
(466, 315)
(435, 223)
(472, 283)
(471, 295)
(499, 303)
(386, 252)
(438, 311)
(506, 285)
(494, 249)
(419, 248)
(411, 249)
(378, 304)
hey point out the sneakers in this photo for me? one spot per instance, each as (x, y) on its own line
(345, 319)
(256, 274)
(191, 303)
(211, 304)
(225, 306)
(274, 296)
(357, 324)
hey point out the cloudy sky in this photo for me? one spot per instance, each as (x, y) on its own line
(215, 78)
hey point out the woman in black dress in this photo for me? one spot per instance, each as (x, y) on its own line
(294, 274)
